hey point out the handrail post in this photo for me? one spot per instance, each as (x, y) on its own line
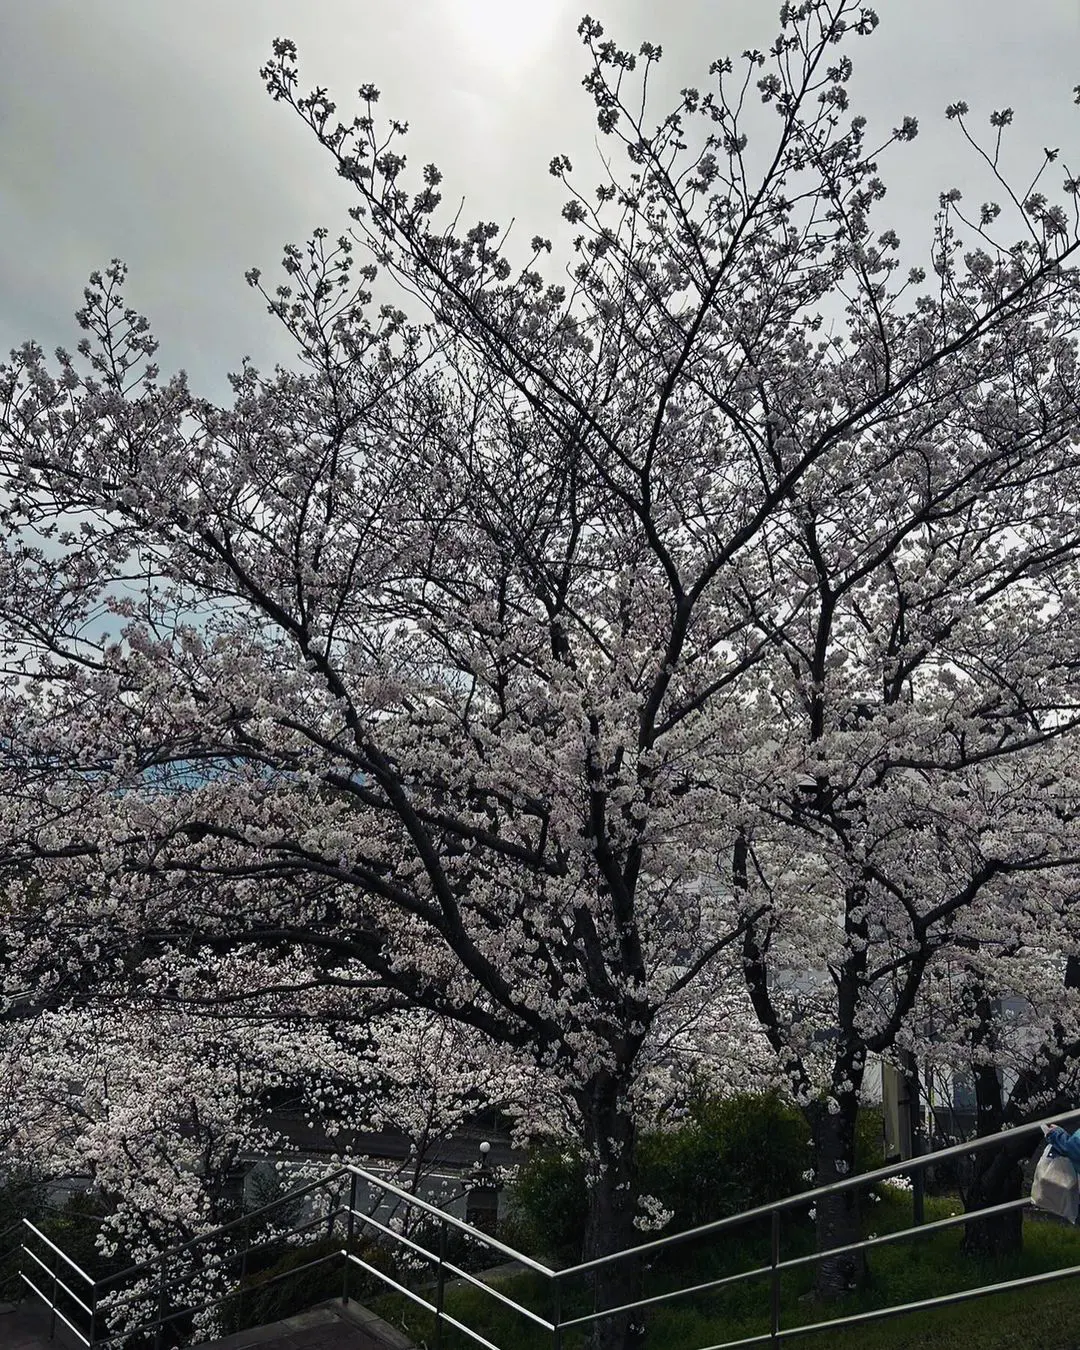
(440, 1287)
(159, 1330)
(349, 1230)
(245, 1238)
(52, 1305)
(556, 1313)
(774, 1279)
(918, 1195)
(93, 1316)
(918, 1173)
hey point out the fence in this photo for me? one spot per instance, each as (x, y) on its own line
(85, 1304)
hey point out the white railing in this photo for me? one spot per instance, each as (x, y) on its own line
(83, 1303)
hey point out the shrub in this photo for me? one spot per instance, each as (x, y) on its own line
(731, 1154)
(465, 1252)
(22, 1196)
(548, 1202)
(869, 1139)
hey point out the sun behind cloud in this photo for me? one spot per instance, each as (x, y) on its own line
(508, 34)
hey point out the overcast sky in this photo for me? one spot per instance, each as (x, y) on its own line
(140, 129)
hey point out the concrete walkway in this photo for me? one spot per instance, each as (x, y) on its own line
(25, 1326)
(330, 1326)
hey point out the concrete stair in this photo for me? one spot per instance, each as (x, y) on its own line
(329, 1326)
(25, 1326)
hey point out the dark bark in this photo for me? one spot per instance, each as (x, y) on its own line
(837, 1220)
(994, 1176)
(610, 1141)
(918, 1134)
(995, 1179)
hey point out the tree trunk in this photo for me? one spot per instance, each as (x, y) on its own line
(996, 1176)
(837, 1215)
(610, 1141)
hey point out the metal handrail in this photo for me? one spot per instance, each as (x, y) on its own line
(354, 1173)
(59, 1282)
(555, 1278)
(290, 1197)
(774, 1269)
(469, 1331)
(952, 1221)
(58, 1251)
(918, 1305)
(854, 1182)
(443, 1217)
(705, 1287)
(155, 1322)
(185, 1276)
(86, 1340)
(397, 1237)
(498, 1295)
(757, 1272)
(394, 1284)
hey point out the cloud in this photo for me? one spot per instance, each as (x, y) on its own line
(142, 131)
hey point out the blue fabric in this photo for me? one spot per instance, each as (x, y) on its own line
(1066, 1144)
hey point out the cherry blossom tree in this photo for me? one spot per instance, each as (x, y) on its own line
(1003, 1010)
(153, 1111)
(942, 814)
(426, 1077)
(160, 1110)
(526, 659)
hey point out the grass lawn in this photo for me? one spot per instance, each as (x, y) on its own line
(1043, 1318)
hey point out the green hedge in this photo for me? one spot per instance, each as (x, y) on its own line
(730, 1154)
(733, 1153)
(869, 1139)
(548, 1205)
(22, 1196)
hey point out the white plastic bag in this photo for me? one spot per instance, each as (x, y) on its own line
(1054, 1187)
